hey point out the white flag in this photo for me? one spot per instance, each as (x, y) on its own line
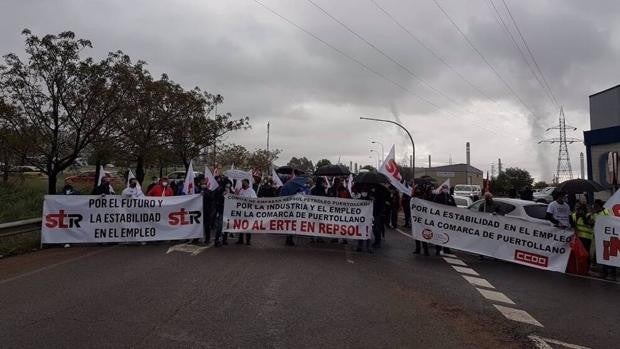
(101, 175)
(350, 183)
(212, 184)
(327, 183)
(277, 182)
(438, 189)
(188, 184)
(390, 169)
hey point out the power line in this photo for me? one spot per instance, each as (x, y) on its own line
(362, 64)
(429, 49)
(471, 44)
(381, 52)
(514, 22)
(502, 23)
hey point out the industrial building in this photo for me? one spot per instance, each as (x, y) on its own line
(604, 134)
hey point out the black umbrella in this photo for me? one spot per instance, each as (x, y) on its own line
(578, 186)
(332, 170)
(371, 178)
(289, 170)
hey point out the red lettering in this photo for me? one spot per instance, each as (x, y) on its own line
(611, 248)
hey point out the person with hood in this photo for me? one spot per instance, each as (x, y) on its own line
(105, 188)
(133, 190)
(162, 188)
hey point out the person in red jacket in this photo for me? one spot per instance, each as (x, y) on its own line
(162, 188)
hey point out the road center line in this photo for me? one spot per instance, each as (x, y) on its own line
(495, 296)
(464, 270)
(477, 281)
(517, 315)
(454, 261)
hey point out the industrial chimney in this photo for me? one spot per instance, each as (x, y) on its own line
(468, 178)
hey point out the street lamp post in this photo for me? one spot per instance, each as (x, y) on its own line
(378, 160)
(410, 138)
(382, 149)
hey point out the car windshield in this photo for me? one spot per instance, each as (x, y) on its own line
(536, 211)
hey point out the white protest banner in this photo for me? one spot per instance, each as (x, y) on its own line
(112, 218)
(299, 215)
(607, 240)
(511, 239)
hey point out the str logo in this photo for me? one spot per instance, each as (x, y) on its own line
(63, 220)
(184, 217)
(531, 258)
(392, 169)
(611, 248)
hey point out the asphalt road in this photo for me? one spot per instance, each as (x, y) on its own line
(271, 296)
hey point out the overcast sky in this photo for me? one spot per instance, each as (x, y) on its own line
(268, 69)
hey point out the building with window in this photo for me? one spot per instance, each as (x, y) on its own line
(604, 134)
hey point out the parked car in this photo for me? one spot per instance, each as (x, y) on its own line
(462, 201)
(179, 176)
(88, 178)
(544, 195)
(522, 209)
(468, 190)
(29, 171)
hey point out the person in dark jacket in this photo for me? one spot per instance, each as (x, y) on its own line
(267, 190)
(219, 196)
(395, 207)
(69, 190)
(378, 213)
(527, 194)
(444, 198)
(319, 187)
(104, 188)
(425, 193)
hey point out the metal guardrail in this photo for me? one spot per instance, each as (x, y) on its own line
(20, 227)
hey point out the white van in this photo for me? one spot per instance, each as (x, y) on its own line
(468, 190)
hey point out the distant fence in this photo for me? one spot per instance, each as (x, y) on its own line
(20, 227)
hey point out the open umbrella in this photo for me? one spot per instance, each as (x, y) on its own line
(371, 178)
(294, 186)
(578, 186)
(332, 170)
(288, 170)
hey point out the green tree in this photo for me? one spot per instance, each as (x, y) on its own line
(323, 162)
(262, 159)
(512, 178)
(541, 185)
(64, 102)
(302, 164)
(232, 155)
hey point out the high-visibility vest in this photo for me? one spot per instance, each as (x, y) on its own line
(604, 212)
(583, 230)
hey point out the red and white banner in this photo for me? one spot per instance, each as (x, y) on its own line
(299, 215)
(510, 239)
(390, 169)
(113, 218)
(607, 233)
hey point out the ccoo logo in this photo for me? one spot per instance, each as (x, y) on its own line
(62, 220)
(183, 217)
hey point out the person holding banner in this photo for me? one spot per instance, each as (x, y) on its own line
(161, 188)
(105, 188)
(247, 192)
(224, 188)
(133, 189)
(558, 211)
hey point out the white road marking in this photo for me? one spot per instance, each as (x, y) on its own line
(449, 255)
(402, 232)
(477, 281)
(350, 261)
(464, 270)
(194, 250)
(517, 315)
(51, 266)
(543, 343)
(454, 261)
(495, 296)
